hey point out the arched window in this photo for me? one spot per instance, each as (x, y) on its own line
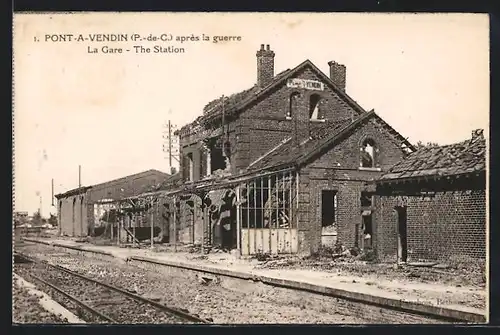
(314, 101)
(292, 103)
(368, 151)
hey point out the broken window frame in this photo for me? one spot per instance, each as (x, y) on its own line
(373, 155)
(335, 207)
(363, 199)
(269, 202)
(314, 104)
(217, 160)
(290, 111)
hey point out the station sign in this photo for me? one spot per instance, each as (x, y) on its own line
(305, 84)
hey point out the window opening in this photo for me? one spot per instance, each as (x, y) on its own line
(368, 154)
(328, 208)
(366, 199)
(292, 104)
(314, 102)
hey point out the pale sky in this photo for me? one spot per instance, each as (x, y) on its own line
(427, 75)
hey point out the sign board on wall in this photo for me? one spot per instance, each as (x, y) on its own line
(306, 84)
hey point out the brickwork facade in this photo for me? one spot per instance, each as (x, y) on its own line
(266, 124)
(338, 169)
(449, 222)
(285, 112)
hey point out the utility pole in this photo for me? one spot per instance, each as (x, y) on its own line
(52, 192)
(168, 146)
(79, 176)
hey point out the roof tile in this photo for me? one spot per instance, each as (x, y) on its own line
(458, 158)
(289, 152)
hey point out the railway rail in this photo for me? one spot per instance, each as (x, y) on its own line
(97, 301)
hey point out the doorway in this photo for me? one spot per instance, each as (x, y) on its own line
(367, 233)
(328, 207)
(401, 214)
(328, 218)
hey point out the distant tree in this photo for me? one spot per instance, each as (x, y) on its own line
(53, 220)
(421, 145)
(37, 218)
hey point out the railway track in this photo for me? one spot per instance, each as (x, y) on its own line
(96, 301)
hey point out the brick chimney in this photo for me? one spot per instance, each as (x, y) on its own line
(265, 66)
(338, 74)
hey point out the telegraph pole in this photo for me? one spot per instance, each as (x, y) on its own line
(168, 145)
(79, 176)
(52, 192)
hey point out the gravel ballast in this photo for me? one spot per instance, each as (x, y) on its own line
(210, 301)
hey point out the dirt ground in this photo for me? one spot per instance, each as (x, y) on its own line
(210, 301)
(26, 308)
(460, 284)
(458, 274)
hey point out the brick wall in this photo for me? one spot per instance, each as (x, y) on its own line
(265, 125)
(452, 223)
(191, 145)
(338, 170)
(346, 153)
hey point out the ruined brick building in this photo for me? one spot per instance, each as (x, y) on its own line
(79, 211)
(292, 164)
(305, 153)
(432, 205)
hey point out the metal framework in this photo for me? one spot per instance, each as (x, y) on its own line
(268, 202)
(261, 201)
(268, 213)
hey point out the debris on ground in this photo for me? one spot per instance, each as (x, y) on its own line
(364, 262)
(194, 248)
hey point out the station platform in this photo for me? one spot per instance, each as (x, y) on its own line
(433, 298)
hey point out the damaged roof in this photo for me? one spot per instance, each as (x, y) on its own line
(238, 101)
(459, 158)
(169, 182)
(75, 191)
(214, 107)
(288, 153)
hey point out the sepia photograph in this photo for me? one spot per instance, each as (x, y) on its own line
(250, 168)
